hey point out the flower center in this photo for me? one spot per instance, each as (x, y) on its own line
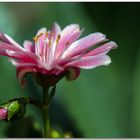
(48, 40)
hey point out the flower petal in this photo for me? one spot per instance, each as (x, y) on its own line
(70, 33)
(42, 30)
(6, 46)
(104, 49)
(27, 57)
(68, 36)
(7, 39)
(91, 61)
(39, 41)
(56, 29)
(83, 44)
(14, 52)
(22, 70)
(29, 46)
(3, 113)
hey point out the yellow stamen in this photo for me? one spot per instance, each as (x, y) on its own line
(47, 34)
(50, 40)
(58, 38)
(37, 37)
(40, 35)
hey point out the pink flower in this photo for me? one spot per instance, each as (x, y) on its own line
(56, 51)
(3, 114)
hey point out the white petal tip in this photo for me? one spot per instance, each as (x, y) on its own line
(42, 30)
(113, 44)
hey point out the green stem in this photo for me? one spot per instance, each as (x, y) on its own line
(45, 113)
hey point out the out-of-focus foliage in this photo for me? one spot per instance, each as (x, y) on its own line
(102, 102)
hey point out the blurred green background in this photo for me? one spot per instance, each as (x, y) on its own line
(103, 102)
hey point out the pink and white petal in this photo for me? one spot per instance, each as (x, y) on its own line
(7, 39)
(27, 57)
(83, 44)
(19, 56)
(54, 36)
(56, 29)
(14, 52)
(5, 46)
(62, 46)
(42, 30)
(10, 54)
(69, 34)
(65, 61)
(70, 28)
(39, 44)
(21, 64)
(91, 62)
(29, 46)
(104, 49)
(3, 38)
(68, 38)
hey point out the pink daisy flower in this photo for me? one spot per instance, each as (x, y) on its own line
(57, 51)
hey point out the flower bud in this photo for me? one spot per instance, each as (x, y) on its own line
(3, 114)
(13, 109)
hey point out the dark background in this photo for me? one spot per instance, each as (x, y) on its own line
(103, 102)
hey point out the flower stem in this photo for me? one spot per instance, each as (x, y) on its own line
(45, 113)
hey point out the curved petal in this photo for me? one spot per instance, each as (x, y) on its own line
(22, 70)
(91, 61)
(72, 73)
(82, 44)
(7, 39)
(29, 46)
(104, 49)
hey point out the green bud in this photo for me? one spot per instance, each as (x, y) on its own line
(55, 134)
(68, 134)
(15, 108)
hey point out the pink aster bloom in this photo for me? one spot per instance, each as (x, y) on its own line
(56, 51)
(3, 114)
